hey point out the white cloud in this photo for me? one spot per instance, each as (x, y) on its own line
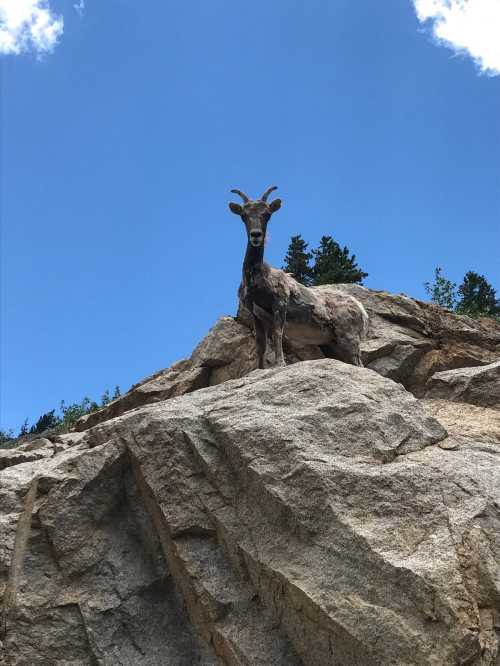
(28, 25)
(466, 26)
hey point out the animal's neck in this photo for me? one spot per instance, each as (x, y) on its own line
(254, 259)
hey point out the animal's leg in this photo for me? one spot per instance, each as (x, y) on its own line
(279, 317)
(260, 341)
(347, 350)
(353, 356)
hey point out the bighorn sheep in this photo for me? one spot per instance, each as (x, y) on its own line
(279, 304)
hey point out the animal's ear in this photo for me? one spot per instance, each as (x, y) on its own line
(275, 205)
(235, 208)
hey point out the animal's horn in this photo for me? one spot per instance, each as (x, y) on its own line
(242, 195)
(268, 192)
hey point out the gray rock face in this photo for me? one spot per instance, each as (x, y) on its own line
(408, 342)
(477, 386)
(228, 350)
(315, 514)
(94, 587)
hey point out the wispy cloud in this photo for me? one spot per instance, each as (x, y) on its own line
(79, 7)
(466, 26)
(28, 25)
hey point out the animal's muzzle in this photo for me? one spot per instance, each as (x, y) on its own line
(256, 237)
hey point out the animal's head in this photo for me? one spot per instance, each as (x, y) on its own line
(255, 214)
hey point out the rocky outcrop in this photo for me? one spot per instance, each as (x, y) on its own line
(411, 340)
(94, 588)
(477, 386)
(228, 351)
(408, 341)
(316, 514)
(182, 377)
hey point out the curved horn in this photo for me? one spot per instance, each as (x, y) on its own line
(242, 195)
(268, 192)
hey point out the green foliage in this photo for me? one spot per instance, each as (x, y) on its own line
(68, 416)
(334, 265)
(6, 438)
(6, 435)
(24, 430)
(477, 298)
(441, 290)
(71, 413)
(105, 400)
(297, 261)
(47, 421)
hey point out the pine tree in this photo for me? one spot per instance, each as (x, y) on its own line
(46, 422)
(297, 260)
(477, 297)
(441, 291)
(333, 265)
(71, 413)
(24, 430)
(6, 437)
(117, 392)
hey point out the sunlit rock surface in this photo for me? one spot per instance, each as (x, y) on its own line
(476, 386)
(315, 514)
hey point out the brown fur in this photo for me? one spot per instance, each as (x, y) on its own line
(279, 305)
(321, 316)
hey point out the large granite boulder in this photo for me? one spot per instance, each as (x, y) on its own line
(316, 514)
(93, 588)
(477, 386)
(410, 340)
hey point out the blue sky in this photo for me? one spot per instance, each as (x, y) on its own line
(122, 137)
